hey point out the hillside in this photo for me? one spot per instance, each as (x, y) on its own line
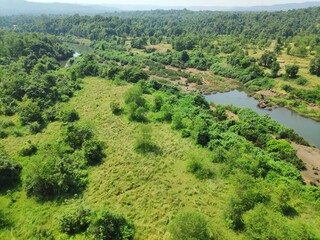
(105, 131)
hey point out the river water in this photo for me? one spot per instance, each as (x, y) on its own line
(307, 128)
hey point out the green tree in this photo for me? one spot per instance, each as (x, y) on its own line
(292, 70)
(315, 66)
(93, 151)
(275, 67)
(109, 226)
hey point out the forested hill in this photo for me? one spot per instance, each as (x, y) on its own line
(175, 23)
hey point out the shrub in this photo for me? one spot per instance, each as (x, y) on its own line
(30, 112)
(75, 221)
(109, 226)
(70, 116)
(199, 169)
(55, 177)
(28, 150)
(93, 151)
(144, 143)
(115, 107)
(302, 81)
(35, 127)
(9, 171)
(189, 225)
(292, 70)
(75, 134)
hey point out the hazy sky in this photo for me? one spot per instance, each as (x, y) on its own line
(179, 2)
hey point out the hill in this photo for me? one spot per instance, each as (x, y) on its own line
(18, 7)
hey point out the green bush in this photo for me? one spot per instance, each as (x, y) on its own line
(198, 168)
(70, 116)
(9, 171)
(76, 134)
(55, 177)
(109, 226)
(292, 70)
(115, 107)
(93, 151)
(28, 150)
(301, 81)
(189, 225)
(75, 220)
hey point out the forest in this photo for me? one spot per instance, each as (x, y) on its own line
(105, 132)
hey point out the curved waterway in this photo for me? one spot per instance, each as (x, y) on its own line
(308, 128)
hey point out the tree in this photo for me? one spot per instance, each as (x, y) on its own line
(109, 226)
(189, 225)
(185, 57)
(275, 67)
(315, 66)
(75, 134)
(93, 151)
(30, 112)
(292, 70)
(267, 59)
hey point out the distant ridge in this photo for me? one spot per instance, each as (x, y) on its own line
(19, 7)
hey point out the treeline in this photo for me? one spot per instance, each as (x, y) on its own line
(32, 81)
(174, 23)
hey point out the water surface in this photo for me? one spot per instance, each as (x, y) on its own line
(308, 128)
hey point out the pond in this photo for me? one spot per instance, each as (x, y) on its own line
(308, 128)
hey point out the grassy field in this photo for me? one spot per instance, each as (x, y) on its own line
(148, 189)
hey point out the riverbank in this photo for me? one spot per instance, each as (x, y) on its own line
(311, 157)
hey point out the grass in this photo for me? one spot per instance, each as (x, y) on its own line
(148, 189)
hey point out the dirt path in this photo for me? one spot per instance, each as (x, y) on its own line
(311, 157)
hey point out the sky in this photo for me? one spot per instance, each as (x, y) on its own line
(226, 3)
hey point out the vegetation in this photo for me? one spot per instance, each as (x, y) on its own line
(124, 126)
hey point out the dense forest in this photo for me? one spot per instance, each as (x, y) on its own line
(105, 132)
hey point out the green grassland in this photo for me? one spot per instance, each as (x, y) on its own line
(148, 189)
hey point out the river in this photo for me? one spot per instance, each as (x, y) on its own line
(307, 128)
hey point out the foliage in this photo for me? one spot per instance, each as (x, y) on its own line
(28, 150)
(9, 171)
(198, 168)
(93, 151)
(75, 134)
(107, 225)
(292, 70)
(315, 66)
(75, 220)
(55, 177)
(189, 225)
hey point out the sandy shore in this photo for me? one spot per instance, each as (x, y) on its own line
(311, 157)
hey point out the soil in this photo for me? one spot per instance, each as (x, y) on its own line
(311, 157)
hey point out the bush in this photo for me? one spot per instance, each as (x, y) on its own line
(109, 226)
(199, 169)
(75, 221)
(28, 150)
(189, 225)
(9, 171)
(302, 81)
(115, 107)
(75, 134)
(30, 112)
(292, 70)
(93, 151)
(70, 116)
(55, 177)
